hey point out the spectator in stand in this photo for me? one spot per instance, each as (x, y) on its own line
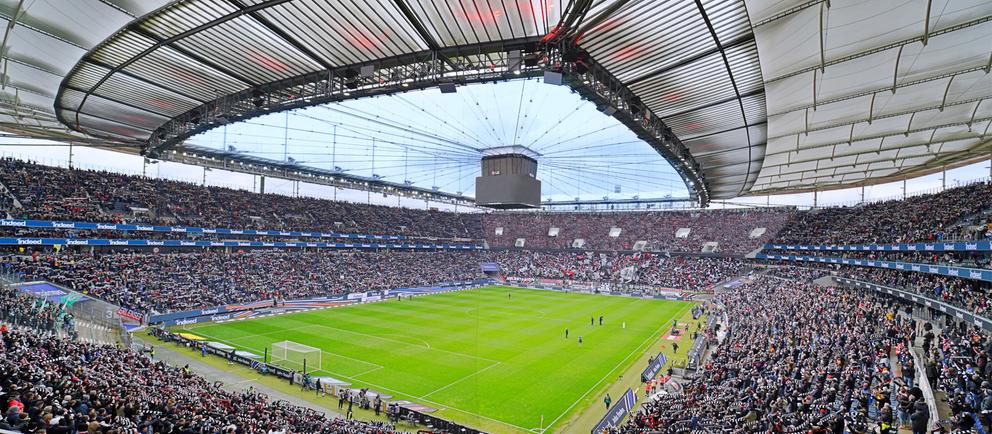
(730, 228)
(954, 214)
(150, 282)
(676, 272)
(52, 193)
(55, 385)
(795, 358)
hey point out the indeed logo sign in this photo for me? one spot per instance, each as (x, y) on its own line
(106, 226)
(237, 231)
(144, 228)
(118, 242)
(21, 223)
(187, 243)
(22, 241)
(971, 246)
(186, 321)
(210, 231)
(78, 242)
(209, 311)
(155, 243)
(975, 274)
(178, 229)
(65, 225)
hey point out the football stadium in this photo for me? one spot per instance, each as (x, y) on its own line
(496, 216)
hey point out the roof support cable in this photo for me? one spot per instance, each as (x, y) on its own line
(806, 120)
(814, 90)
(947, 90)
(926, 23)
(988, 66)
(871, 108)
(910, 125)
(973, 113)
(6, 37)
(823, 31)
(895, 74)
(850, 137)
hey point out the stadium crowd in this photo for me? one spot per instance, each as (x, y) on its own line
(53, 193)
(20, 309)
(730, 228)
(675, 272)
(55, 385)
(796, 358)
(180, 281)
(960, 213)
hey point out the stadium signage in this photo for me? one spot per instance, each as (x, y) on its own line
(971, 273)
(616, 413)
(191, 243)
(653, 368)
(942, 247)
(184, 229)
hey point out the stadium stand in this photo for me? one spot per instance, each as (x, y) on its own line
(180, 281)
(53, 193)
(731, 229)
(960, 213)
(794, 358)
(678, 272)
(50, 384)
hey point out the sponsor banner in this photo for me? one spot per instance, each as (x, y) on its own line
(977, 320)
(183, 229)
(653, 368)
(129, 314)
(952, 246)
(41, 290)
(968, 273)
(191, 243)
(615, 415)
(246, 310)
(210, 311)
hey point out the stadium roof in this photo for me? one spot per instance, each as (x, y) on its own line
(765, 96)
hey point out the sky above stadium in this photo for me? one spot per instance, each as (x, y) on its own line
(432, 139)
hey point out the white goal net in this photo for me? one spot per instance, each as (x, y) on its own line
(292, 355)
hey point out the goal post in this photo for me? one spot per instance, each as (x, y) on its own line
(296, 356)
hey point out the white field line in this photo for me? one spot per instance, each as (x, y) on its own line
(640, 348)
(439, 405)
(461, 379)
(378, 366)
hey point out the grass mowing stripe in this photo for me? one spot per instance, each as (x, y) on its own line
(481, 356)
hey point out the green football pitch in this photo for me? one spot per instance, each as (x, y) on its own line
(494, 356)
